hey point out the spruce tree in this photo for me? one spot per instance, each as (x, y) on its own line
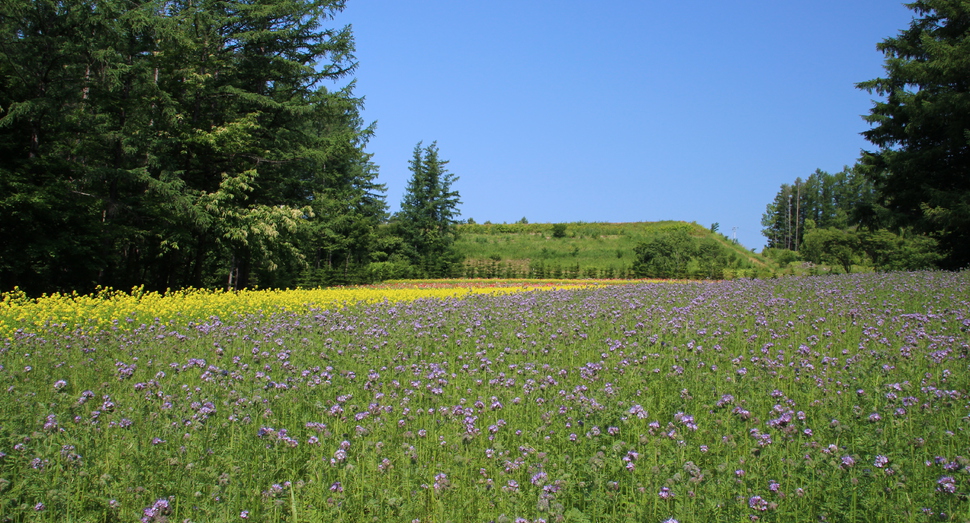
(429, 211)
(172, 143)
(922, 125)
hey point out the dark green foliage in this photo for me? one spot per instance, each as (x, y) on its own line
(428, 217)
(827, 200)
(665, 256)
(177, 143)
(676, 254)
(348, 204)
(891, 252)
(845, 217)
(559, 230)
(922, 126)
(711, 258)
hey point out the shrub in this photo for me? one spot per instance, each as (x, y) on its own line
(559, 230)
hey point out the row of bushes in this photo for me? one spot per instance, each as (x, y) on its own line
(491, 269)
(538, 269)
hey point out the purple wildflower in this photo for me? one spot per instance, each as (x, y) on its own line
(946, 484)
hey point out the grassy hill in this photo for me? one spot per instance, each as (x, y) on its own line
(582, 250)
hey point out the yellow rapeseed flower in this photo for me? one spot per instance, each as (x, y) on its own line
(112, 309)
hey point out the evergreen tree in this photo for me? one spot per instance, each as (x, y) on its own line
(348, 204)
(429, 211)
(839, 200)
(172, 143)
(922, 126)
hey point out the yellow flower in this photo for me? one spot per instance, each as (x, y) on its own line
(109, 309)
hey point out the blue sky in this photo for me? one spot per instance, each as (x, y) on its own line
(619, 111)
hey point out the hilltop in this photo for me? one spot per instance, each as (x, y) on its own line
(579, 249)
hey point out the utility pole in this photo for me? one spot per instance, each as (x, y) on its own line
(798, 201)
(788, 238)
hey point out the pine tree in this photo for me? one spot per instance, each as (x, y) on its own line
(429, 211)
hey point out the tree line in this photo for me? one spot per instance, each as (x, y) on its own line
(206, 143)
(171, 144)
(905, 205)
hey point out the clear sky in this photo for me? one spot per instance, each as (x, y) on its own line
(619, 110)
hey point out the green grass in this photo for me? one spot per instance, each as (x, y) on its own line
(604, 250)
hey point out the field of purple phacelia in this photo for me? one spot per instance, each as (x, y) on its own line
(841, 398)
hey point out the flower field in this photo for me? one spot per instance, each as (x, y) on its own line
(812, 399)
(114, 310)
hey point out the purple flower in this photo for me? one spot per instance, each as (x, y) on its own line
(758, 503)
(539, 478)
(946, 484)
(156, 511)
(441, 481)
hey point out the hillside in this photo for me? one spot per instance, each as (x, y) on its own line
(589, 250)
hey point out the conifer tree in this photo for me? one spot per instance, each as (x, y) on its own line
(172, 143)
(429, 211)
(922, 126)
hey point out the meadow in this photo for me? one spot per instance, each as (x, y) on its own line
(840, 398)
(582, 250)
